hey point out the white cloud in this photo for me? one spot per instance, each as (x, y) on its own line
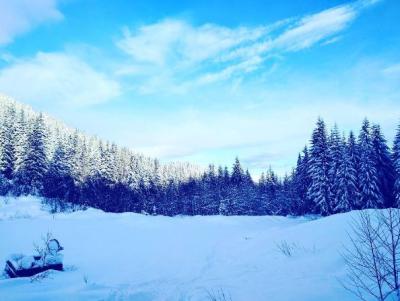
(177, 40)
(315, 28)
(57, 78)
(20, 16)
(392, 70)
(178, 55)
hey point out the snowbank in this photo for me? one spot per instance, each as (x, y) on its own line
(21, 207)
(136, 257)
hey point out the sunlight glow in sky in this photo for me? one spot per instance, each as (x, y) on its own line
(205, 81)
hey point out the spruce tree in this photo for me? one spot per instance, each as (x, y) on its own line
(335, 157)
(319, 190)
(58, 182)
(235, 196)
(396, 163)
(34, 166)
(354, 155)
(211, 192)
(225, 204)
(8, 142)
(383, 165)
(237, 176)
(347, 190)
(272, 192)
(249, 206)
(370, 194)
(21, 133)
(301, 182)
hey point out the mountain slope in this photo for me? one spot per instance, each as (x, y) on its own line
(145, 167)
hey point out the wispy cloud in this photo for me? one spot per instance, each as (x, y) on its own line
(20, 16)
(313, 29)
(57, 78)
(179, 55)
(392, 70)
(178, 41)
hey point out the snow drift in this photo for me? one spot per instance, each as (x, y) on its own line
(136, 257)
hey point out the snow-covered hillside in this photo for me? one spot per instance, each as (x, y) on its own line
(136, 257)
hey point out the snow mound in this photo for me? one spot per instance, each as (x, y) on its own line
(21, 207)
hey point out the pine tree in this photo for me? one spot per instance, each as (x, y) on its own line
(383, 165)
(34, 166)
(210, 192)
(21, 136)
(58, 182)
(285, 195)
(396, 163)
(347, 190)
(260, 204)
(354, 155)
(249, 206)
(224, 190)
(319, 190)
(335, 150)
(301, 182)
(8, 142)
(370, 195)
(236, 200)
(272, 192)
(237, 176)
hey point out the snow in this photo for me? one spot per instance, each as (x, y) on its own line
(26, 262)
(21, 207)
(136, 257)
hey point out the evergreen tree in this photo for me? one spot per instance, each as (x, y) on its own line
(347, 190)
(58, 182)
(272, 192)
(250, 206)
(8, 142)
(370, 195)
(235, 197)
(354, 155)
(335, 150)
(301, 182)
(224, 189)
(210, 192)
(237, 176)
(285, 196)
(21, 133)
(383, 165)
(396, 163)
(34, 166)
(319, 190)
(4, 185)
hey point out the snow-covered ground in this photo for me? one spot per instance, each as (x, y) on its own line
(135, 257)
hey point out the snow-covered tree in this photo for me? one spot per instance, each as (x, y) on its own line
(58, 182)
(347, 190)
(335, 150)
(319, 190)
(237, 182)
(8, 142)
(40, 155)
(370, 194)
(21, 135)
(35, 164)
(396, 163)
(383, 165)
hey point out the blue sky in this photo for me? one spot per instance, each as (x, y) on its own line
(205, 81)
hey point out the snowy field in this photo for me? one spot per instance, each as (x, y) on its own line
(139, 258)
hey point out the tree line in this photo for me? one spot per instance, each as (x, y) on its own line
(335, 173)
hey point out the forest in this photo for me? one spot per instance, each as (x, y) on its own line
(334, 173)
